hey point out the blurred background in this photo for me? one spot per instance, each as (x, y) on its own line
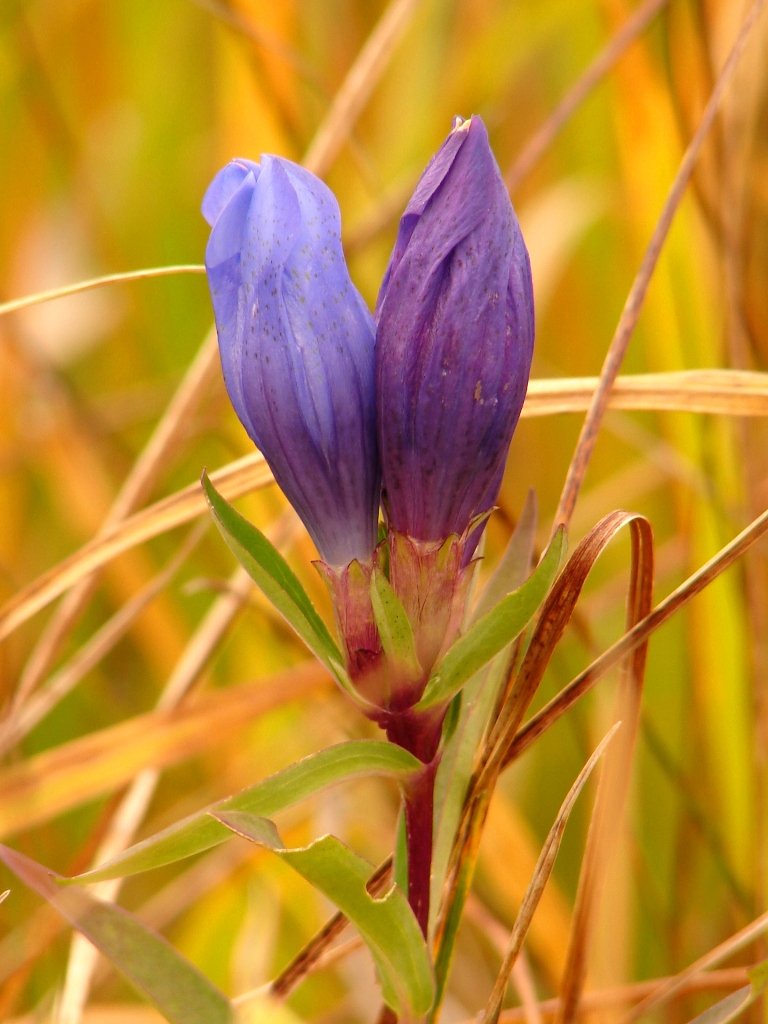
(114, 116)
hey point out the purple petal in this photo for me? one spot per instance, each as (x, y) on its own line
(223, 187)
(296, 342)
(454, 341)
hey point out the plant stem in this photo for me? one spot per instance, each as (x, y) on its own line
(419, 800)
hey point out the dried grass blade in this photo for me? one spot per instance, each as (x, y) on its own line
(540, 877)
(554, 617)
(614, 781)
(672, 986)
(27, 714)
(97, 282)
(611, 53)
(135, 489)
(521, 975)
(606, 999)
(232, 481)
(583, 682)
(358, 85)
(707, 391)
(634, 302)
(43, 786)
(603, 832)
(718, 392)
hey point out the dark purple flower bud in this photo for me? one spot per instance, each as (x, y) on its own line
(454, 342)
(296, 344)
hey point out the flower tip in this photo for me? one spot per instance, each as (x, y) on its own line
(461, 124)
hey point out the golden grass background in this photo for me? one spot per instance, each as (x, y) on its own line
(165, 680)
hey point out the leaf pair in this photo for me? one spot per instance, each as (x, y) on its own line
(185, 996)
(173, 985)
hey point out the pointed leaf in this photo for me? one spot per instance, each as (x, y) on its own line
(393, 625)
(515, 563)
(387, 925)
(270, 571)
(491, 634)
(200, 831)
(179, 991)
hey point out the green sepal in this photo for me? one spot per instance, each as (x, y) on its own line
(394, 628)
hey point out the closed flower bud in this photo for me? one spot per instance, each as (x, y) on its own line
(454, 342)
(296, 344)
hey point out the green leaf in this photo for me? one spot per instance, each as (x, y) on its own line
(473, 706)
(387, 925)
(200, 831)
(515, 563)
(393, 625)
(179, 991)
(478, 701)
(270, 571)
(400, 860)
(491, 634)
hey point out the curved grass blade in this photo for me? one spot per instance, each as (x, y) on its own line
(550, 626)
(170, 982)
(494, 631)
(387, 925)
(201, 831)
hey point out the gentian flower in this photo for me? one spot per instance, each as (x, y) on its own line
(454, 342)
(296, 341)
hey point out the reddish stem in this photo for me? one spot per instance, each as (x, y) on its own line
(419, 733)
(419, 801)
